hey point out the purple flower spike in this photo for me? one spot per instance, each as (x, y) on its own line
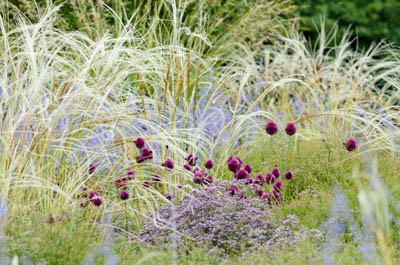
(260, 179)
(242, 174)
(92, 168)
(278, 186)
(234, 165)
(146, 184)
(248, 168)
(139, 143)
(351, 144)
(187, 167)
(290, 129)
(168, 164)
(271, 127)
(289, 175)
(209, 164)
(276, 172)
(124, 195)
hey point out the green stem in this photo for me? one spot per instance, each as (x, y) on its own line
(271, 142)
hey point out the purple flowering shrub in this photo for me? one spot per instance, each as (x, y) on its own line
(211, 218)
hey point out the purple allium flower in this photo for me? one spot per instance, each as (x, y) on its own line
(270, 179)
(92, 168)
(260, 180)
(240, 160)
(290, 129)
(234, 165)
(191, 160)
(248, 168)
(276, 172)
(199, 177)
(168, 164)
(97, 201)
(250, 180)
(289, 175)
(277, 196)
(187, 167)
(124, 195)
(232, 190)
(229, 159)
(146, 184)
(131, 174)
(156, 178)
(195, 170)
(266, 195)
(271, 127)
(260, 192)
(351, 144)
(278, 186)
(139, 143)
(241, 174)
(168, 196)
(121, 182)
(144, 155)
(209, 180)
(209, 164)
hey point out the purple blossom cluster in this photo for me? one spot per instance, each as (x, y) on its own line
(212, 219)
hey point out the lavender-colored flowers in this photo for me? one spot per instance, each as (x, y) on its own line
(168, 164)
(290, 129)
(351, 144)
(209, 164)
(271, 128)
(139, 143)
(124, 195)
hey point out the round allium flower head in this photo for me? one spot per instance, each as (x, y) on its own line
(266, 196)
(229, 159)
(93, 194)
(271, 127)
(131, 174)
(139, 143)
(209, 180)
(144, 155)
(232, 190)
(248, 168)
(121, 182)
(92, 168)
(168, 164)
(260, 179)
(278, 186)
(156, 178)
(241, 174)
(146, 184)
(209, 164)
(289, 175)
(260, 193)
(250, 180)
(187, 167)
(351, 144)
(270, 178)
(234, 165)
(277, 196)
(191, 160)
(124, 195)
(240, 160)
(276, 172)
(290, 129)
(97, 201)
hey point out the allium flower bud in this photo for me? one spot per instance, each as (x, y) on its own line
(260, 179)
(92, 168)
(97, 201)
(289, 175)
(156, 178)
(187, 167)
(250, 180)
(248, 168)
(234, 165)
(131, 174)
(271, 127)
(209, 164)
(168, 164)
(139, 143)
(278, 186)
(351, 144)
(290, 129)
(276, 172)
(191, 160)
(124, 195)
(93, 194)
(260, 192)
(241, 174)
(209, 180)
(146, 184)
(144, 155)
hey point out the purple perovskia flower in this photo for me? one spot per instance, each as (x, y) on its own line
(124, 195)
(289, 175)
(248, 168)
(234, 165)
(271, 128)
(260, 180)
(278, 186)
(209, 164)
(290, 129)
(168, 164)
(92, 168)
(351, 144)
(139, 143)
(187, 167)
(276, 172)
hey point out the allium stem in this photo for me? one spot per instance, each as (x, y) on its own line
(271, 143)
(287, 153)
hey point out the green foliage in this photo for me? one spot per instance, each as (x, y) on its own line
(372, 20)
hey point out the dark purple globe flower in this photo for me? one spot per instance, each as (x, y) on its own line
(351, 144)
(145, 154)
(97, 201)
(241, 174)
(260, 180)
(146, 184)
(92, 168)
(270, 179)
(277, 196)
(240, 160)
(139, 143)
(168, 164)
(124, 195)
(93, 194)
(209, 164)
(209, 180)
(266, 196)
(276, 172)
(271, 127)
(289, 175)
(187, 167)
(156, 178)
(260, 193)
(250, 180)
(191, 160)
(290, 129)
(248, 168)
(131, 174)
(234, 165)
(232, 190)
(229, 159)
(278, 186)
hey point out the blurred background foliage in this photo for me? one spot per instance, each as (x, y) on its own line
(370, 20)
